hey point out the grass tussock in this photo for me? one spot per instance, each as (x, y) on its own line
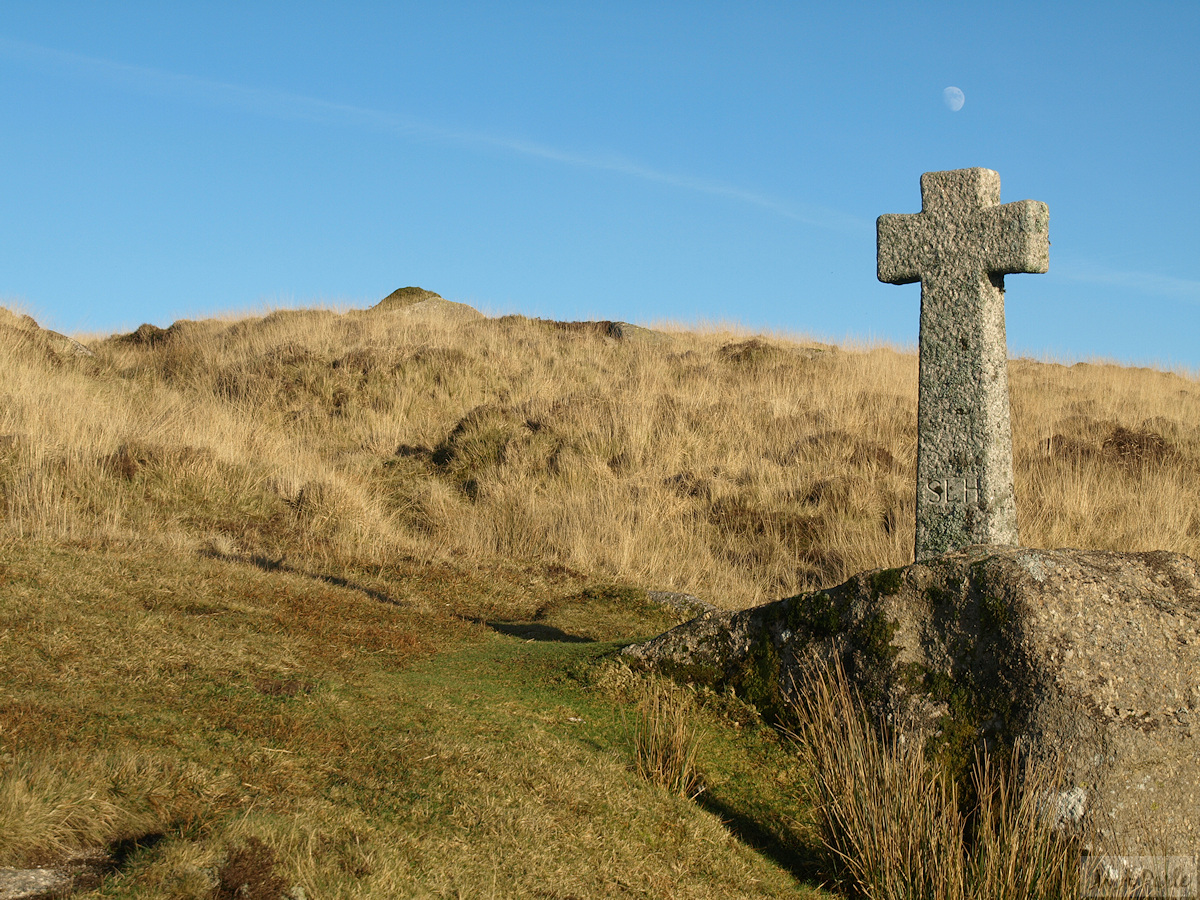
(53, 806)
(896, 824)
(665, 742)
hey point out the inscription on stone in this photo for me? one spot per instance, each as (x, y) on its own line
(950, 490)
(960, 247)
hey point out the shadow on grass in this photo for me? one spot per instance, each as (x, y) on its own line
(528, 631)
(535, 631)
(87, 872)
(278, 565)
(806, 863)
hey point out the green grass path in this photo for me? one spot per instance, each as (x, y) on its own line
(416, 732)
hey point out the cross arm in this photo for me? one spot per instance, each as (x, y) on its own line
(1017, 238)
(900, 243)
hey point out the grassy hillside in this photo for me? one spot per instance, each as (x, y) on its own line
(334, 599)
(737, 468)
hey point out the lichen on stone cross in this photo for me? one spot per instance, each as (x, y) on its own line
(960, 247)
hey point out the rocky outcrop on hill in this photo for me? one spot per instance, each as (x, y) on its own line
(404, 297)
(415, 301)
(418, 302)
(1093, 657)
(25, 331)
(605, 328)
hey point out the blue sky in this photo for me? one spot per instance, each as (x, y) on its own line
(641, 162)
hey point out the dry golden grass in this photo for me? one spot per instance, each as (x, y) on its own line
(897, 827)
(730, 466)
(53, 806)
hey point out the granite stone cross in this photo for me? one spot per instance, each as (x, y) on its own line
(960, 247)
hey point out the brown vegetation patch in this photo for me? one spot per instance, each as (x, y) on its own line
(616, 330)
(151, 337)
(620, 463)
(1070, 449)
(288, 318)
(1137, 447)
(18, 321)
(366, 361)
(22, 333)
(16, 339)
(132, 457)
(834, 446)
(752, 352)
(777, 541)
(33, 722)
(414, 451)
(249, 874)
(283, 687)
(832, 441)
(834, 491)
(337, 628)
(438, 357)
(739, 517)
(288, 355)
(873, 456)
(312, 498)
(145, 335)
(688, 484)
(605, 328)
(494, 436)
(479, 439)
(1127, 446)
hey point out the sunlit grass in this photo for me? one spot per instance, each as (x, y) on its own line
(337, 583)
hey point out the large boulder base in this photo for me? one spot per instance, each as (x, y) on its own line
(1093, 658)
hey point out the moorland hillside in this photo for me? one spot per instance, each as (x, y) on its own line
(330, 604)
(740, 468)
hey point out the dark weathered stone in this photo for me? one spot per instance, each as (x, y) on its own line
(960, 247)
(1091, 655)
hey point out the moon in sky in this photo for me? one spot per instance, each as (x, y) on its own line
(953, 98)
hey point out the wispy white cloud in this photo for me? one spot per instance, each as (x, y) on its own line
(1140, 282)
(277, 104)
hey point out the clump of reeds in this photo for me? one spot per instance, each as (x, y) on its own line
(895, 825)
(664, 740)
